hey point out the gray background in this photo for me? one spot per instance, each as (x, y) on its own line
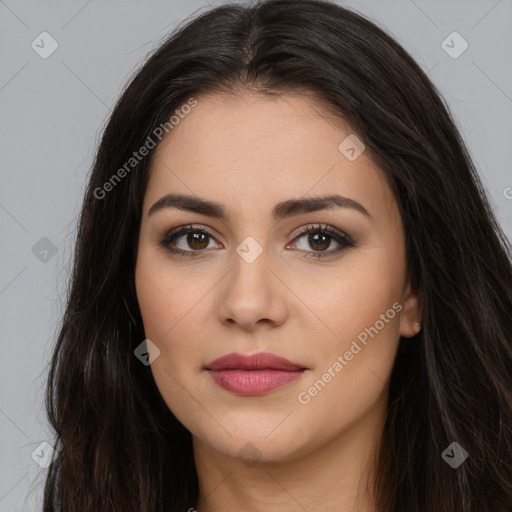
(52, 112)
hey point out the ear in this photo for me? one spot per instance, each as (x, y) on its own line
(411, 312)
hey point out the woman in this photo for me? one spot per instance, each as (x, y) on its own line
(289, 289)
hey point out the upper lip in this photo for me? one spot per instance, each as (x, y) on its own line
(258, 361)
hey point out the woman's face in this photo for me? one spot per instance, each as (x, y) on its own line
(333, 303)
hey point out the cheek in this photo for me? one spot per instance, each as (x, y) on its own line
(165, 294)
(360, 309)
(172, 302)
(355, 295)
(167, 310)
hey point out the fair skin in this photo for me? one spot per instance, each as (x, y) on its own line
(249, 152)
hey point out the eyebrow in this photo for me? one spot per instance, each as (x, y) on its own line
(281, 210)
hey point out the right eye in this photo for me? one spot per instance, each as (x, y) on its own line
(196, 238)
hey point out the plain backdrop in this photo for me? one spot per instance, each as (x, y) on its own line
(53, 110)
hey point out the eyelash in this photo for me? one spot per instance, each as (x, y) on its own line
(338, 236)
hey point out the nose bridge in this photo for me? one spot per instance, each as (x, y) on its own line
(250, 273)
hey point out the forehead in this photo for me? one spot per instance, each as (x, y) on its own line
(250, 149)
(246, 123)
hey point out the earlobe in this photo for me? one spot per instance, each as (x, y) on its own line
(410, 319)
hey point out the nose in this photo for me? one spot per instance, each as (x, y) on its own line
(252, 293)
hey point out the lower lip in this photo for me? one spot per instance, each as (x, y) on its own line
(253, 382)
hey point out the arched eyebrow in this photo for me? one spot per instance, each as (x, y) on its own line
(280, 211)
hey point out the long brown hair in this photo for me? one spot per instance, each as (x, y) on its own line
(118, 446)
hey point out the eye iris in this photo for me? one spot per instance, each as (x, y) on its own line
(197, 238)
(313, 239)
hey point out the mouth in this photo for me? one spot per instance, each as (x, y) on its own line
(255, 374)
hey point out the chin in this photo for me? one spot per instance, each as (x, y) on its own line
(251, 443)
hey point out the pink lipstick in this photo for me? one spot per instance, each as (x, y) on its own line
(253, 375)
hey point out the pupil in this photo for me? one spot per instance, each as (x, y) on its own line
(196, 238)
(313, 241)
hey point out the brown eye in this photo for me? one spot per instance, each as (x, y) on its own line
(319, 238)
(319, 241)
(187, 241)
(197, 240)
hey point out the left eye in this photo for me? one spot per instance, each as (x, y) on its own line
(320, 238)
(317, 240)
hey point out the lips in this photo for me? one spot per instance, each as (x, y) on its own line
(254, 374)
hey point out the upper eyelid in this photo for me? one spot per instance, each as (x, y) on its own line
(182, 230)
(321, 227)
